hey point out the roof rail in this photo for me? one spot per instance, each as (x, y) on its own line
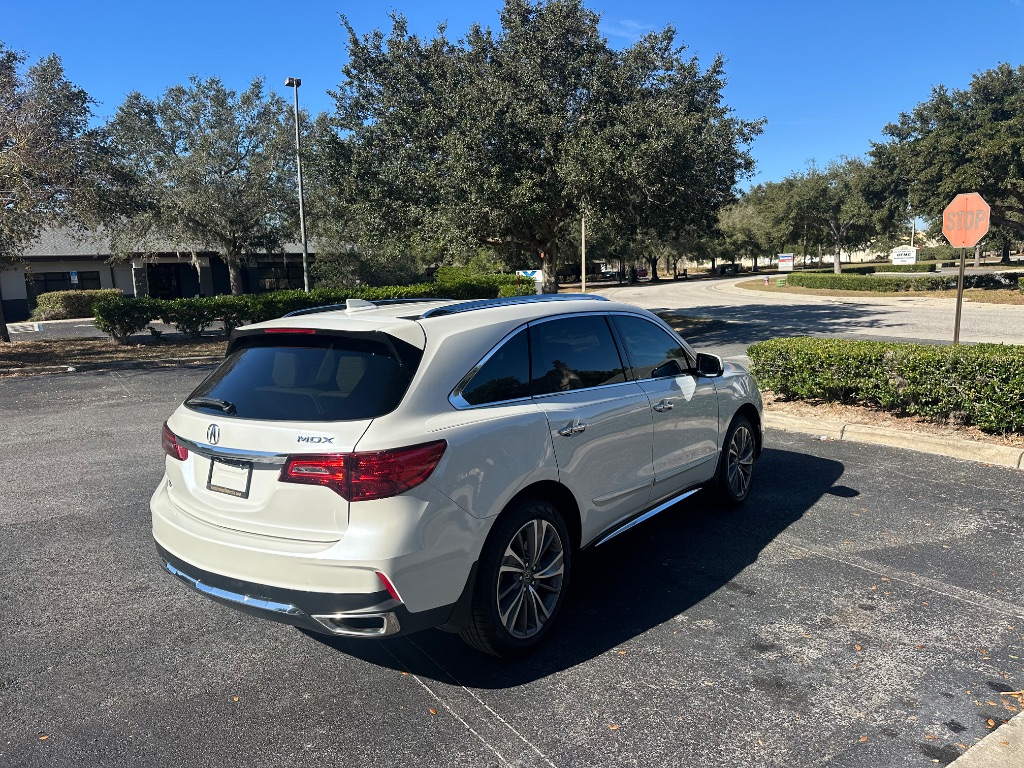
(351, 305)
(470, 306)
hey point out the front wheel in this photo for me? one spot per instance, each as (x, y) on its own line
(735, 473)
(522, 580)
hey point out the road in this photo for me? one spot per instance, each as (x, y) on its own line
(758, 315)
(864, 608)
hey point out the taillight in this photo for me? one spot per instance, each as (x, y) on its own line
(171, 446)
(368, 475)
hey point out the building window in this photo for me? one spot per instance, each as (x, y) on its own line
(276, 276)
(44, 282)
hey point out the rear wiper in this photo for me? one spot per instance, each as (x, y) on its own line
(213, 402)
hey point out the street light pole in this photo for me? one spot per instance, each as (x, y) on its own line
(294, 83)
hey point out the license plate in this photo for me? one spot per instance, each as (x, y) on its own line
(230, 477)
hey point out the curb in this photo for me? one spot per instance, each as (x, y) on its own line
(115, 365)
(1003, 748)
(953, 447)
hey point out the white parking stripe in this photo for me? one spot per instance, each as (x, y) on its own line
(23, 327)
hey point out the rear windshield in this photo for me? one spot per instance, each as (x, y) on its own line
(322, 378)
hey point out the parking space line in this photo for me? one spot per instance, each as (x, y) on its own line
(976, 599)
(444, 704)
(481, 702)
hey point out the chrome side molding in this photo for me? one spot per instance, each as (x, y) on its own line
(645, 516)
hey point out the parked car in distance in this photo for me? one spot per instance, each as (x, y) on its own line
(368, 470)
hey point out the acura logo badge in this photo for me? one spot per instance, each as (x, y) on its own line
(213, 434)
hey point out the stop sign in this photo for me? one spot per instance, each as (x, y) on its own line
(965, 220)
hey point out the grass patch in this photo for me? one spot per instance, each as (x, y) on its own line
(982, 295)
(74, 352)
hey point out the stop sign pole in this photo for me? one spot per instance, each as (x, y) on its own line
(964, 222)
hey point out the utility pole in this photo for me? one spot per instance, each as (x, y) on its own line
(294, 83)
(583, 253)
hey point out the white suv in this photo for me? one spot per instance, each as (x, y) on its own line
(373, 469)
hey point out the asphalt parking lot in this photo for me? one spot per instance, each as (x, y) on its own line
(864, 608)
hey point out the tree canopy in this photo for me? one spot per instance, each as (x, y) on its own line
(506, 138)
(968, 140)
(204, 167)
(48, 154)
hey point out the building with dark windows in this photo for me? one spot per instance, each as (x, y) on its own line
(66, 260)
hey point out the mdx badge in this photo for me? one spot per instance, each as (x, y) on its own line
(213, 434)
(315, 439)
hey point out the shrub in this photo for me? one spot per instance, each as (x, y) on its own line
(887, 284)
(121, 317)
(906, 267)
(981, 384)
(1020, 283)
(232, 311)
(189, 316)
(65, 305)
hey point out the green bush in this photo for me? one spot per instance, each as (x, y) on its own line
(906, 267)
(65, 305)
(121, 317)
(896, 284)
(1020, 283)
(232, 311)
(981, 384)
(190, 316)
(868, 269)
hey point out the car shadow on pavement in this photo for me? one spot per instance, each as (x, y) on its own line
(637, 581)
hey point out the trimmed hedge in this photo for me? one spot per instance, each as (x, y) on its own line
(66, 305)
(981, 384)
(121, 317)
(887, 284)
(906, 267)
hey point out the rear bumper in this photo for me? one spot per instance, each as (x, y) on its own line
(365, 615)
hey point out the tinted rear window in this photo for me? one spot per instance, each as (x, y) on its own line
(307, 379)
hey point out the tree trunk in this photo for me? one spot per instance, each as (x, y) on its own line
(837, 265)
(235, 273)
(652, 262)
(5, 335)
(549, 268)
(1005, 257)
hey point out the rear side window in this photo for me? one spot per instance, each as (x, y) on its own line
(322, 378)
(505, 375)
(573, 353)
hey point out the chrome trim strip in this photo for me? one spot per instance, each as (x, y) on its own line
(286, 609)
(233, 454)
(647, 515)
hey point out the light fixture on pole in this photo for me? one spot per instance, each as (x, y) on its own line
(294, 83)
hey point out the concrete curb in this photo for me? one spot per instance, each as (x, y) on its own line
(954, 447)
(1003, 748)
(115, 365)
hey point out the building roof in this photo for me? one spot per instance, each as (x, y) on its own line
(70, 242)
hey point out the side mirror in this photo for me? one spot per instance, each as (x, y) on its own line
(709, 365)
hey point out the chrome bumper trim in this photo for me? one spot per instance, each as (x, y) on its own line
(285, 609)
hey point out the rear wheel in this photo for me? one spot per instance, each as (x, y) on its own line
(522, 580)
(735, 473)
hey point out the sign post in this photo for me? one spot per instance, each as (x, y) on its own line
(964, 222)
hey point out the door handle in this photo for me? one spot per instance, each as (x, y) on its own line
(664, 405)
(573, 429)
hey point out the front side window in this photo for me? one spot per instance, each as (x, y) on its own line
(573, 353)
(505, 375)
(652, 352)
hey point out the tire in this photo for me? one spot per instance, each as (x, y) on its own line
(515, 603)
(734, 476)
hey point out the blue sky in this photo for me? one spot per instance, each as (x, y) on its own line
(827, 75)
